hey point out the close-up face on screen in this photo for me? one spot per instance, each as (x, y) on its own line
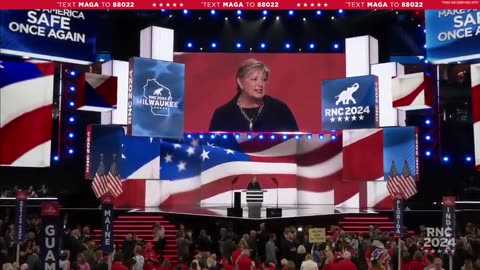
(290, 97)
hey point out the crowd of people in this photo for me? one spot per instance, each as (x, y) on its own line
(31, 191)
(259, 249)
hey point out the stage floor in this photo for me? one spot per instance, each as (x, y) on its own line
(288, 211)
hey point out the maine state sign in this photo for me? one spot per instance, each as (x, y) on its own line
(350, 103)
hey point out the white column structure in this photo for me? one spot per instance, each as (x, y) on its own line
(155, 43)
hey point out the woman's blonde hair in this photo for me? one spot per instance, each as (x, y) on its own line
(248, 66)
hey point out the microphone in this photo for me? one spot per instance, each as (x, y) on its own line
(275, 181)
(235, 180)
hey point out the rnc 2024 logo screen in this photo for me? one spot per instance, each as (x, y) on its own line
(350, 103)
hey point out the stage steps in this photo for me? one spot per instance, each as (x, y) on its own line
(143, 225)
(360, 223)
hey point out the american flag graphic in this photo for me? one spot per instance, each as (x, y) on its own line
(197, 171)
(114, 181)
(26, 97)
(402, 184)
(475, 81)
(100, 181)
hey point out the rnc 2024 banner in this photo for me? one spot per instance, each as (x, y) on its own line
(452, 35)
(58, 35)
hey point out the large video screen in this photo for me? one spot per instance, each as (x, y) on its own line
(242, 92)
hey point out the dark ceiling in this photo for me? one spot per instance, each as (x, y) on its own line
(399, 33)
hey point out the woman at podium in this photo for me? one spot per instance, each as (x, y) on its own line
(254, 185)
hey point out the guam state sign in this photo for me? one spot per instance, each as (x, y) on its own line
(350, 103)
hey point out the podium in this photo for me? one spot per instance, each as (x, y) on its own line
(254, 202)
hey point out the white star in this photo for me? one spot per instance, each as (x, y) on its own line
(360, 117)
(168, 4)
(204, 155)
(339, 119)
(154, 4)
(305, 4)
(319, 5)
(332, 119)
(298, 4)
(229, 151)
(325, 4)
(211, 145)
(346, 118)
(190, 151)
(194, 143)
(123, 155)
(182, 166)
(354, 118)
(312, 4)
(168, 158)
(174, 5)
(176, 145)
(161, 4)
(181, 4)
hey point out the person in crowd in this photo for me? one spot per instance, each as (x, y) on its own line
(33, 260)
(417, 262)
(64, 262)
(100, 262)
(271, 249)
(139, 259)
(287, 247)
(151, 257)
(346, 262)
(244, 262)
(251, 109)
(183, 247)
(166, 265)
(437, 264)
(204, 244)
(82, 264)
(128, 245)
(117, 262)
(309, 264)
(159, 240)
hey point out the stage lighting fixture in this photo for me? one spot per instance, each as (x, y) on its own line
(290, 12)
(212, 12)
